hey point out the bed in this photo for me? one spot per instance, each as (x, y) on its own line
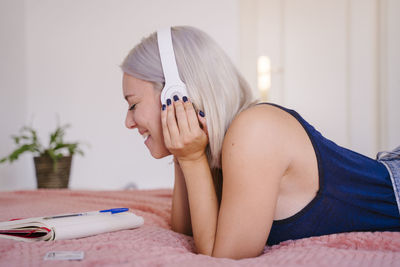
(155, 244)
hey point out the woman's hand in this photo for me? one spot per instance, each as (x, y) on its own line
(183, 136)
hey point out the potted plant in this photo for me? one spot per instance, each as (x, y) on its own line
(52, 163)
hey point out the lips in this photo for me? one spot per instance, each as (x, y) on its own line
(144, 134)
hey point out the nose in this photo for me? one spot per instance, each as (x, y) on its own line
(129, 121)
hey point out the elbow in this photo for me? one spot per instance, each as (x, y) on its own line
(227, 254)
(236, 257)
(210, 253)
(236, 254)
(205, 246)
(182, 230)
(207, 252)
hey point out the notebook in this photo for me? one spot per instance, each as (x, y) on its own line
(69, 226)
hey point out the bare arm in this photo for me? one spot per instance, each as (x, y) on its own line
(254, 158)
(187, 142)
(203, 203)
(180, 214)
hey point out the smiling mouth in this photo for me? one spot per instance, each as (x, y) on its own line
(145, 136)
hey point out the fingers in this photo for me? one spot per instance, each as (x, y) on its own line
(171, 121)
(167, 137)
(181, 116)
(203, 121)
(179, 119)
(192, 116)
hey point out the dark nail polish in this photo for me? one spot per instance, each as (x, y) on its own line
(163, 107)
(202, 113)
(176, 98)
(184, 99)
(168, 102)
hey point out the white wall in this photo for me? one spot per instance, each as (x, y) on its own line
(73, 50)
(336, 62)
(391, 74)
(314, 74)
(13, 89)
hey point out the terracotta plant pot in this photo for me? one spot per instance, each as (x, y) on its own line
(49, 175)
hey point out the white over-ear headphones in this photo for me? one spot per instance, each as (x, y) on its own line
(173, 83)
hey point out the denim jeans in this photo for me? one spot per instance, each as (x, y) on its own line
(391, 160)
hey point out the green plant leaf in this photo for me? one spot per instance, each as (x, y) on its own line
(16, 153)
(57, 136)
(16, 139)
(28, 141)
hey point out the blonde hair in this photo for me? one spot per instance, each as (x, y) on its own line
(213, 83)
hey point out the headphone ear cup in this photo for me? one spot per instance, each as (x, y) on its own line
(171, 91)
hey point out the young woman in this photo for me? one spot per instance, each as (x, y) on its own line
(249, 174)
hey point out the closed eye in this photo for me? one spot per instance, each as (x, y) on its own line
(132, 107)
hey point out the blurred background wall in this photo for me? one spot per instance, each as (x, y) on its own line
(336, 62)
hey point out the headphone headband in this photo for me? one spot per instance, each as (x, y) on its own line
(173, 83)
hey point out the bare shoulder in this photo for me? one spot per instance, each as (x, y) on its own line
(260, 134)
(261, 126)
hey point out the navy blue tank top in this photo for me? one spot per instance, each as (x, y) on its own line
(355, 194)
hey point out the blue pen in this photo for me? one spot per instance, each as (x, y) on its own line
(112, 211)
(117, 210)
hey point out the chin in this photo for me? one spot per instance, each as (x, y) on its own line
(159, 154)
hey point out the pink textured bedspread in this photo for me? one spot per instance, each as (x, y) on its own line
(154, 244)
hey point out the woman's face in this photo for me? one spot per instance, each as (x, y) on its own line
(144, 113)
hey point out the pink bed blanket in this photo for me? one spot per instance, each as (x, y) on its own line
(155, 244)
